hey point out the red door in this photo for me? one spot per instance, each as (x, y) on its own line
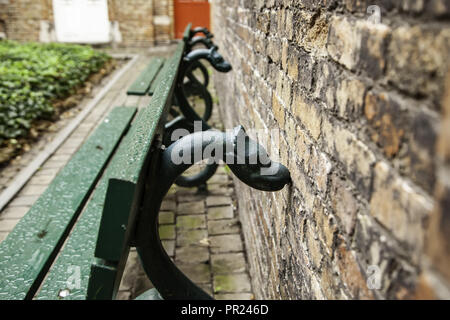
(195, 11)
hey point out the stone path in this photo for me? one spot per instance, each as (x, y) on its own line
(201, 232)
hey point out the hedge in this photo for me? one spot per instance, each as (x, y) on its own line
(34, 75)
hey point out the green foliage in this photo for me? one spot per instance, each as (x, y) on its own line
(33, 75)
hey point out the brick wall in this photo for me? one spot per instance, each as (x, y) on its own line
(135, 19)
(164, 20)
(22, 17)
(364, 119)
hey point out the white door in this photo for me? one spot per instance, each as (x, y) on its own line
(81, 21)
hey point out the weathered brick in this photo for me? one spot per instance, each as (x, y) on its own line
(307, 113)
(344, 42)
(351, 274)
(397, 126)
(350, 98)
(359, 44)
(418, 59)
(399, 207)
(355, 156)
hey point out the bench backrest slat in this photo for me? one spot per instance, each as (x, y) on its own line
(187, 32)
(27, 253)
(142, 84)
(157, 80)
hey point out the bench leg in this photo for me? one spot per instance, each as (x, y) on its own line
(246, 159)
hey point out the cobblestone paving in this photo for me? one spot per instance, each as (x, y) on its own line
(200, 232)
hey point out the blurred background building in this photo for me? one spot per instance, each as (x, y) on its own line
(136, 23)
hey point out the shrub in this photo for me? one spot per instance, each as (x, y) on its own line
(34, 75)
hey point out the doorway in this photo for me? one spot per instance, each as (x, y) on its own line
(81, 21)
(187, 11)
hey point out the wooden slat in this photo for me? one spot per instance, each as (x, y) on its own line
(30, 248)
(187, 32)
(158, 79)
(142, 84)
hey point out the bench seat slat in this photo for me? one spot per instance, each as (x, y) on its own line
(142, 84)
(28, 251)
(158, 79)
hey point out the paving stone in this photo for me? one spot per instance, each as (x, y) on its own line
(67, 150)
(73, 142)
(191, 237)
(198, 273)
(141, 284)
(14, 212)
(207, 287)
(186, 191)
(168, 205)
(3, 236)
(54, 164)
(123, 295)
(189, 222)
(228, 226)
(61, 157)
(234, 296)
(41, 180)
(227, 263)
(215, 201)
(167, 232)
(232, 283)
(219, 178)
(216, 213)
(218, 189)
(8, 224)
(46, 172)
(169, 246)
(226, 243)
(131, 271)
(190, 197)
(192, 254)
(33, 190)
(22, 201)
(172, 191)
(191, 207)
(166, 217)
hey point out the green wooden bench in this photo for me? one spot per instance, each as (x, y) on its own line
(74, 241)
